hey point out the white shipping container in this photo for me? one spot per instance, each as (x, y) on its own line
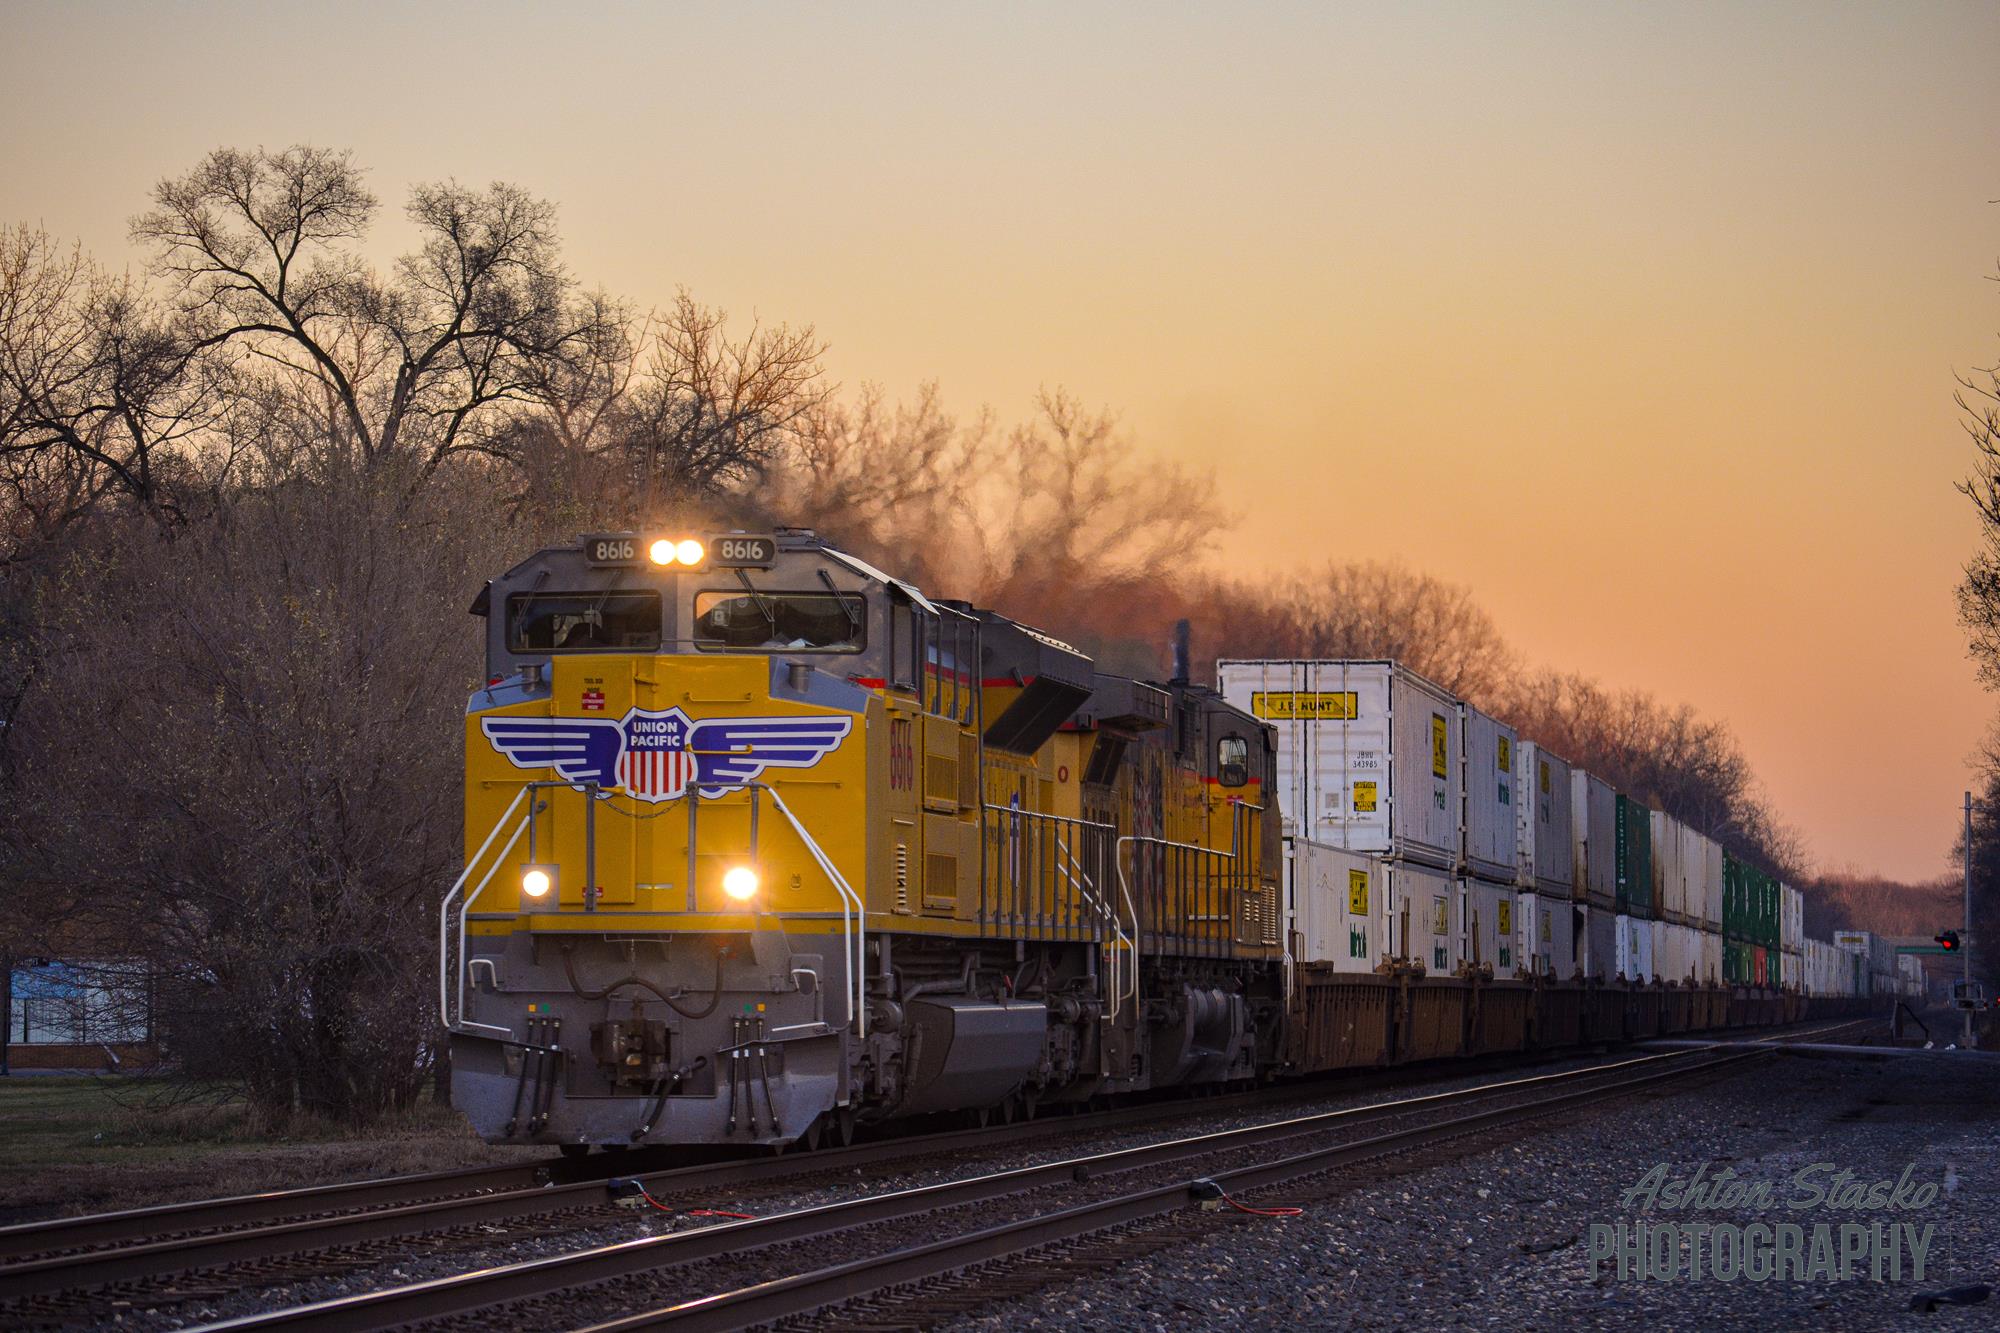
(1492, 815)
(1593, 813)
(1340, 906)
(1669, 872)
(1683, 961)
(1549, 944)
(1791, 970)
(1492, 927)
(1711, 958)
(1548, 836)
(1426, 916)
(1705, 853)
(1879, 953)
(1791, 918)
(1635, 948)
(1598, 948)
(1368, 754)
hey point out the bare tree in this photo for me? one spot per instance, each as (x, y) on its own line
(1978, 399)
(264, 251)
(101, 390)
(1072, 504)
(713, 411)
(267, 812)
(895, 483)
(1668, 756)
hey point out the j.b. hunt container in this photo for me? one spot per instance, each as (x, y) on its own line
(1492, 816)
(1594, 817)
(1354, 911)
(1370, 754)
(1549, 943)
(1547, 832)
(1492, 926)
(1635, 948)
(1597, 948)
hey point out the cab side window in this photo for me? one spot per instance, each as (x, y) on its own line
(1232, 761)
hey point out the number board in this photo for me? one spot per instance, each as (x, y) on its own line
(612, 548)
(737, 551)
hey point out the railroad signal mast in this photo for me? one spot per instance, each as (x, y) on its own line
(1968, 1000)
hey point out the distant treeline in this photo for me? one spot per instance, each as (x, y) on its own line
(247, 493)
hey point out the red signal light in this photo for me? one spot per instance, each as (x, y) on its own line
(1948, 941)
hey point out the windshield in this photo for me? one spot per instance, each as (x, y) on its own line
(582, 622)
(822, 622)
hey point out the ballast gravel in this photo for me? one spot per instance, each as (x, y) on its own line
(555, 1235)
(1502, 1239)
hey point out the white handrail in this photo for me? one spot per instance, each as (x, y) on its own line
(446, 969)
(1105, 911)
(858, 939)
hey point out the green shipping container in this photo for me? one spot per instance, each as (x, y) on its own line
(1635, 858)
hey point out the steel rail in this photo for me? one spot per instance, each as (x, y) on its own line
(467, 1292)
(134, 1225)
(70, 1254)
(809, 1293)
(134, 1245)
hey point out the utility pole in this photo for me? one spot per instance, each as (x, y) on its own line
(1965, 938)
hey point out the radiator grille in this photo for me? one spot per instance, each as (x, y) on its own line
(940, 880)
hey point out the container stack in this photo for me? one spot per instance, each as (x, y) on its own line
(1791, 938)
(1635, 960)
(1490, 860)
(1594, 819)
(1550, 900)
(1750, 910)
(1707, 854)
(1369, 774)
(1679, 899)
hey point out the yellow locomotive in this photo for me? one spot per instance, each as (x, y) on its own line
(763, 843)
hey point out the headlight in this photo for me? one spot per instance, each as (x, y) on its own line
(740, 883)
(662, 552)
(535, 883)
(690, 552)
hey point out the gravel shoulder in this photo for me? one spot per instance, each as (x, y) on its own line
(421, 1259)
(1501, 1238)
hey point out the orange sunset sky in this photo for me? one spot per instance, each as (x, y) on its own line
(1638, 320)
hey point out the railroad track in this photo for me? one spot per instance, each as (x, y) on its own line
(892, 1240)
(110, 1263)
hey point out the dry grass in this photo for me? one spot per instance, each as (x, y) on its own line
(77, 1145)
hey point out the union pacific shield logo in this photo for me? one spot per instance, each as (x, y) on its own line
(655, 764)
(657, 755)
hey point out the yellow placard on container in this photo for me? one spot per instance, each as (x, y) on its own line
(1300, 705)
(1506, 917)
(1440, 749)
(1357, 892)
(1545, 776)
(1545, 928)
(1364, 798)
(1440, 917)
(1505, 757)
